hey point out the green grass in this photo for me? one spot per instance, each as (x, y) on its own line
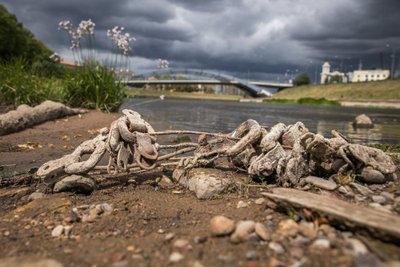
(380, 90)
(304, 101)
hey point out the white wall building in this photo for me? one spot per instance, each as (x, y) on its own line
(355, 76)
(370, 75)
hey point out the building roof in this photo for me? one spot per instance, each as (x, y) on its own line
(326, 64)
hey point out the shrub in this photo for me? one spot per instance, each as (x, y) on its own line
(93, 86)
(302, 79)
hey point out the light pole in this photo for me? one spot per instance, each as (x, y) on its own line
(393, 56)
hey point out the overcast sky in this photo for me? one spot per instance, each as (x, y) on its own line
(260, 38)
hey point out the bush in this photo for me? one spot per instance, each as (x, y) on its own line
(93, 86)
(317, 102)
(302, 79)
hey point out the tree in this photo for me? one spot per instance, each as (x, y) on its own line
(302, 79)
(16, 41)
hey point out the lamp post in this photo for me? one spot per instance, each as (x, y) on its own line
(393, 56)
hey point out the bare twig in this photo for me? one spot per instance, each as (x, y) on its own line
(194, 132)
(181, 145)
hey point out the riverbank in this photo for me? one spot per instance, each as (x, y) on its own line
(155, 222)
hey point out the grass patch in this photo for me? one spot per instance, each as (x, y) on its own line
(389, 148)
(379, 90)
(304, 101)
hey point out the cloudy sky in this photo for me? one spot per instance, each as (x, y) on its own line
(256, 38)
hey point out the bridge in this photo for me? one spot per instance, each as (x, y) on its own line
(254, 88)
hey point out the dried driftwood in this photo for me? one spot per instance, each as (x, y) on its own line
(380, 224)
(25, 116)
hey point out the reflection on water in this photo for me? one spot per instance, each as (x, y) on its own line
(224, 116)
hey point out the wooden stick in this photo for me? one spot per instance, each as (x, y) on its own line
(178, 145)
(380, 224)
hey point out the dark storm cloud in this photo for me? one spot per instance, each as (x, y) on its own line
(257, 36)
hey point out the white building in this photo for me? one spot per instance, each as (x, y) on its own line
(370, 75)
(355, 76)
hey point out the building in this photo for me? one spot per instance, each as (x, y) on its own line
(370, 75)
(356, 76)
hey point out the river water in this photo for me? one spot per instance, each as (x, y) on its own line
(225, 116)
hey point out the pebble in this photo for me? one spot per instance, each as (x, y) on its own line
(288, 228)
(182, 244)
(200, 239)
(388, 196)
(221, 225)
(226, 258)
(57, 231)
(241, 204)
(361, 189)
(262, 231)
(308, 230)
(357, 247)
(36, 195)
(380, 207)
(197, 264)
(321, 183)
(296, 253)
(300, 241)
(379, 199)
(369, 175)
(176, 257)
(321, 243)
(276, 247)
(242, 231)
(252, 255)
(260, 201)
(169, 236)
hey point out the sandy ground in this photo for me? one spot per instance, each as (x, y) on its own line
(150, 223)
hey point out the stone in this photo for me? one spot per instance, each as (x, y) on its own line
(296, 253)
(388, 196)
(321, 183)
(300, 241)
(288, 228)
(164, 181)
(206, 183)
(365, 191)
(242, 231)
(356, 246)
(220, 225)
(57, 231)
(182, 244)
(321, 243)
(228, 259)
(368, 260)
(379, 199)
(36, 195)
(241, 204)
(262, 231)
(276, 247)
(363, 121)
(252, 255)
(308, 230)
(176, 257)
(169, 236)
(29, 261)
(260, 201)
(75, 183)
(379, 207)
(372, 176)
(197, 264)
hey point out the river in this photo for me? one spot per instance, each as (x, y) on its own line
(225, 116)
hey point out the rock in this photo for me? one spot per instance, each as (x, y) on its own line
(357, 247)
(176, 257)
(379, 199)
(206, 183)
(321, 183)
(379, 207)
(276, 247)
(169, 236)
(288, 228)
(262, 231)
(300, 241)
(241, 204)
(368, 260)
(365, 191)
(29, 261)
(242, 231)
(36, 195)
(197, 264)
(321, 243)
(252, 255)
(105, 208)
(371, 176)
(388, 196)
(296, 253)
(164, 181)
(182, 244)
(226, 259)
(308, 230)
(57, 231)
(75, 183)
(260, 201)
(362, 121)
(220, 225)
